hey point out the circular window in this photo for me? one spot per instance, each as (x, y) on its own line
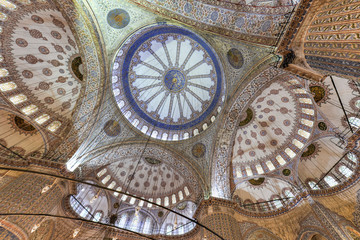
(168, 82)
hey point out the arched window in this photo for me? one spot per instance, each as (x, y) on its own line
(29, 109)
(106, 179)
(25, 1)
(352, 157)
(289, 194)
(313, 185)
(181, 196)
(181, 228)
(116, 194)
(169, 229)
(141, 203)
(186, 190)
(85, 212)
(42, 118)
(97, 216)
(330, 181)
(144, 129)
(102, 172)
(8, 86)
(173, 198)
(75, 205)
(3, 17)
(270, 165)
(278, 203)
(305, 100)
(166, 201)
(149, 204)
(3, 72)
(132, 200)
(147, 228)
(357, 104)
(248, 204)
(8, 5)
(112, 184)
(308, 111)
(354, 122)
(237, 199)
(123, 220)
(304, 133)
(261, 205)
(135, 222)
(164, 136)
(345, 171)
(54, 126)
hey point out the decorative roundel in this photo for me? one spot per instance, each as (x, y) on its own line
(168, 82)
(286, 172)
(112, 128)
(322, 126)
(198, 150)
(235, 58)
(118, 18)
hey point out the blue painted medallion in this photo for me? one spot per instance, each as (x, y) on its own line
(174, 80)
(118, 18)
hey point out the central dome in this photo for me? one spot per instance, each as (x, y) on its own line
(168, 82)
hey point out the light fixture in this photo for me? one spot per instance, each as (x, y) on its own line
(175, 223)
(137, 210)
(35, 227)
(94, 198)
(47, 187)
(4, 174)
(76, 232)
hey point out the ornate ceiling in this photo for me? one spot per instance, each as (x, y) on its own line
(46, 72)
(170, 103)
(238, 21)
(275, 126)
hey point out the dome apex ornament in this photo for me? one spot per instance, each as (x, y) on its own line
(174, 80)
(168, 82)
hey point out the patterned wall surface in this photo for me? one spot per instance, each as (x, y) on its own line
(220, 181)
(331, 44)
(7, 235)
(260, 26)
(41, 49)
(30, 200)
(225, 225)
